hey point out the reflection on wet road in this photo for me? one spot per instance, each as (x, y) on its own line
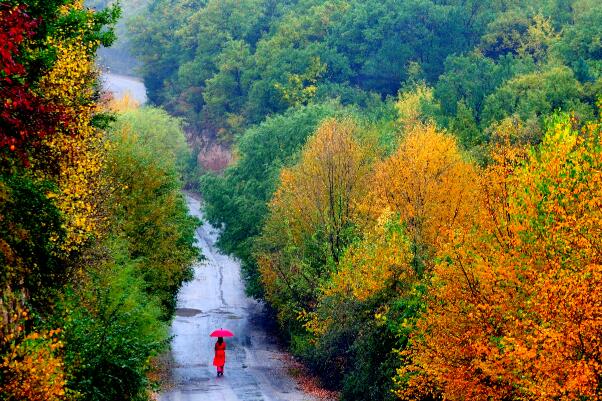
(215, 299)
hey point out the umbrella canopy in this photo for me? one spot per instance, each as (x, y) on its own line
(221, 333)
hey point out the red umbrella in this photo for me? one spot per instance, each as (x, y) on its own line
(221, 333)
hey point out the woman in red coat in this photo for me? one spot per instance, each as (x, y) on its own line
(220, 356)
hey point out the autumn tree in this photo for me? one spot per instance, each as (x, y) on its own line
(238, 198)
(23, 114)
(413, 105)
(31, 364)
(50, 150)
(514, 312)
(430, 186)
(33, 369)
(30, 32)
(352, 331)
(419, 198)
(74, 157)
(380, 260)
(313, 215)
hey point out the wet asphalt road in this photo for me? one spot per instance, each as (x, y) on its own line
(214, 299)
(119, 85)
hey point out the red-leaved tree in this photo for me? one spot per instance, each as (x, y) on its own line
(24, 115)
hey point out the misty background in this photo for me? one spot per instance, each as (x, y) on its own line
(118, 58)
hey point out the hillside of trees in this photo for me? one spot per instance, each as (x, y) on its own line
(226, 65)
(95, 238)
(416, 184)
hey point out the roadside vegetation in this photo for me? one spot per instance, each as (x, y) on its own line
(415, 188)
(95, 239)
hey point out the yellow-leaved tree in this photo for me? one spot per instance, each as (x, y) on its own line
(74, 158)
(430, 186)
(411, 106)
(313, 216)
(381, 259)
(377, 263)
(420, 198)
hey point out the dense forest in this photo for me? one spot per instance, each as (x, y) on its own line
(416, 185)
(95, 238)
(226, 65)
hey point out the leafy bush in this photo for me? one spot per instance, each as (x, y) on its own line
(111, 329)
(30, 236)
(150, 213)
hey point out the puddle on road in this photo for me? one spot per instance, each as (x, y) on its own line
(187, 312)
(189, 366)
(227, 314)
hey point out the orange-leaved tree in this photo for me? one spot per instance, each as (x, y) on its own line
(30, 366)
(419, 199)
(515, 310)
(32, 369)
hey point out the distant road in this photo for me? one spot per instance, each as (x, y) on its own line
(121, 84)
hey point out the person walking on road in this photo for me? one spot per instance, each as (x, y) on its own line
(220, 349)
(220, 356)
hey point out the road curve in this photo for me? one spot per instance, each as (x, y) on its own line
(119, 85)
(215, 298)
